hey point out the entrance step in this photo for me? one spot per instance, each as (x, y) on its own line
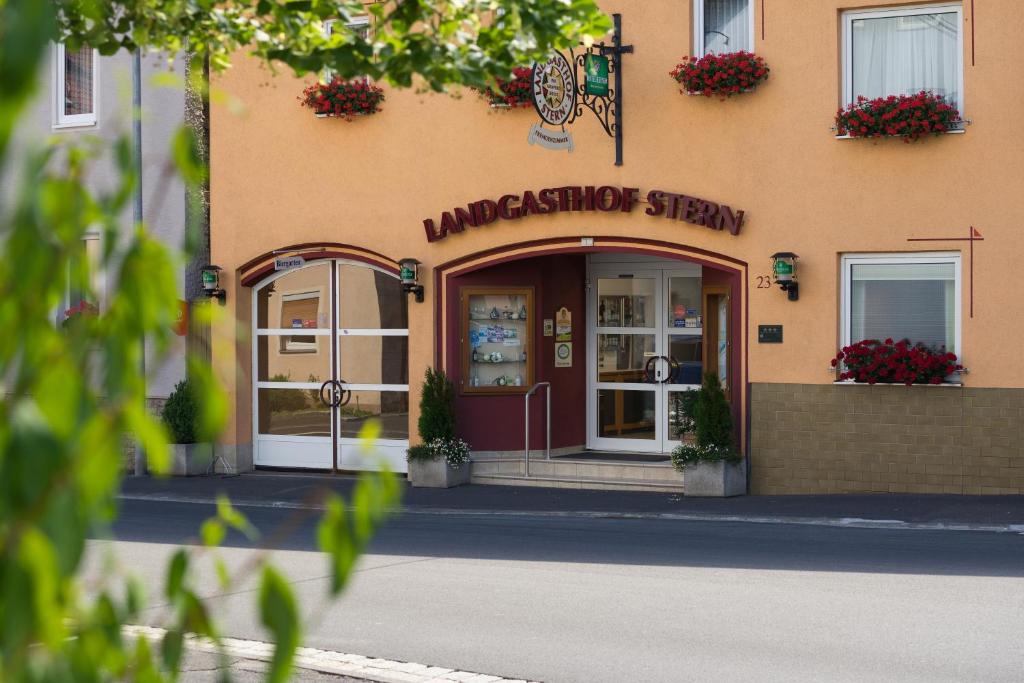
(562, 472)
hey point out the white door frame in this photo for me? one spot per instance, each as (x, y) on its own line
(660, 270)
(316, 452)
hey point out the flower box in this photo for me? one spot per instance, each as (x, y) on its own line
(512, 93)
(887, 362)
(909, 117)
(343, 99)
(190, 459)
(723, 75)
(720, 479)
(437, 474)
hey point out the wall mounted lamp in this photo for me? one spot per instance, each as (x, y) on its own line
(211, 283)
(408, 273)
(784, 270)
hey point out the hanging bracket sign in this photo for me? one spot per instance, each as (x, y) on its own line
(563, 88)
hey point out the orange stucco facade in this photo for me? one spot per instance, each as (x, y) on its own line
(282, 177)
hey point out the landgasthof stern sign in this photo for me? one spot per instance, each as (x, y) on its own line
(564, 87)
(554, 97)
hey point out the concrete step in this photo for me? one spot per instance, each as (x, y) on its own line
(623, 476)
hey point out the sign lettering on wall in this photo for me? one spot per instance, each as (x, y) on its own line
(570, 199)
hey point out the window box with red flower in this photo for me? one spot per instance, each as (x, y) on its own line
(512, 93)
(721, 75)
(909, 117)
(83, 310)
(343, 99)
(887, 362)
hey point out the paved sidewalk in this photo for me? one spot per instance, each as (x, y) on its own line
(997, 513)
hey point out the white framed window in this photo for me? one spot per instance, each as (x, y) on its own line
(300, 310)
(359, 25)
(912, 296)
(904, 50)
(721, 26)
(75, 86)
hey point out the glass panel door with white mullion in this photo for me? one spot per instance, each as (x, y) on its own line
(292, 358)
(626, 341)
(684, 344)
(372, 352)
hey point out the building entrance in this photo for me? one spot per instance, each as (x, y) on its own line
(653, 328)
(330, 351)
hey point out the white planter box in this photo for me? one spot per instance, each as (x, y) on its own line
(436, 474)
(715, 479)
(190, 459)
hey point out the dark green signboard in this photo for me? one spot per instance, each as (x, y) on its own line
(596, 69)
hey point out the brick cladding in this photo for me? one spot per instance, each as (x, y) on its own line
(829, 438)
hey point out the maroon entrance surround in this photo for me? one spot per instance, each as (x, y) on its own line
(477, 410)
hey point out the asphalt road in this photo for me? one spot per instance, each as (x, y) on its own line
(568, 599)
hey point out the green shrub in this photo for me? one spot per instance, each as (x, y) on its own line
(437, 407)
(712, 420)
(420, 452)
(181, 412)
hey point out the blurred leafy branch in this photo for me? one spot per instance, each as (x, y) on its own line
(72, 392)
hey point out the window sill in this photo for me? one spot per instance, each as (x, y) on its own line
(67, 126)
(959, 131)
(852, 383)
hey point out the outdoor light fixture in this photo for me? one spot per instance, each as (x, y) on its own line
(784, 269)
(408, 272)
(211, 283)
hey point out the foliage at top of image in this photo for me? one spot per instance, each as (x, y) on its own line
(438, 42)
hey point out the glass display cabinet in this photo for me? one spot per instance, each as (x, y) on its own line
(496, 339)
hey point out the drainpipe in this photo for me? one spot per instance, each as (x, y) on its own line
(140, 453)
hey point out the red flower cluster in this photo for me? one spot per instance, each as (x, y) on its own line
(724, 75)
(874, 362)
(79, 311)
(343, 98)
(907, 116)
(514, 92)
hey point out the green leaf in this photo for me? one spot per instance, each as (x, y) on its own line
(235, 519)
(176, 575)
(171, 648)
(212, 532)
(280, 616)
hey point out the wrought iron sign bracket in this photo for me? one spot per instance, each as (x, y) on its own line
(607, 108)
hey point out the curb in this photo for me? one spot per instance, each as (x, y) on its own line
(842, 522)
(327, 661)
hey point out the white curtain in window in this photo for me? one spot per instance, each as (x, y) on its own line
(905, 55)
(913, 301)
(78, 81)
(726, 26)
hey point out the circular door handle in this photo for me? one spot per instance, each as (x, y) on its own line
(648, 370)
(332, 398)
(344, 395)
(673, 371)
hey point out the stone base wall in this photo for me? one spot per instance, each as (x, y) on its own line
(840, 438)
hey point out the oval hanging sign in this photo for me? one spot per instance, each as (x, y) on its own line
(554, 89)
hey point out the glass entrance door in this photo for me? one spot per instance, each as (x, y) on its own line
(647, 346)
(330, 353)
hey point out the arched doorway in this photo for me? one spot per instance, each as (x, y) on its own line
(330, 352)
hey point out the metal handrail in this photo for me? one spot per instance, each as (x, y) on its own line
(526, 445)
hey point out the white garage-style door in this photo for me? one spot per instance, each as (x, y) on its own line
(330, 352)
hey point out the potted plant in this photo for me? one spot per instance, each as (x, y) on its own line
(711, 465)
(343, 99)
(180, 414)
(910, 117)
(442, 459)
(886, 362)
(723, 75)
(512, 93)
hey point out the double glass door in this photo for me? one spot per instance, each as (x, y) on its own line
(330, 353)
(649, 342)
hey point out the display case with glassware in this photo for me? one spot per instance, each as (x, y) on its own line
(496, 339)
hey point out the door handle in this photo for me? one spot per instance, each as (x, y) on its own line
(345, 394)
(332, 397)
